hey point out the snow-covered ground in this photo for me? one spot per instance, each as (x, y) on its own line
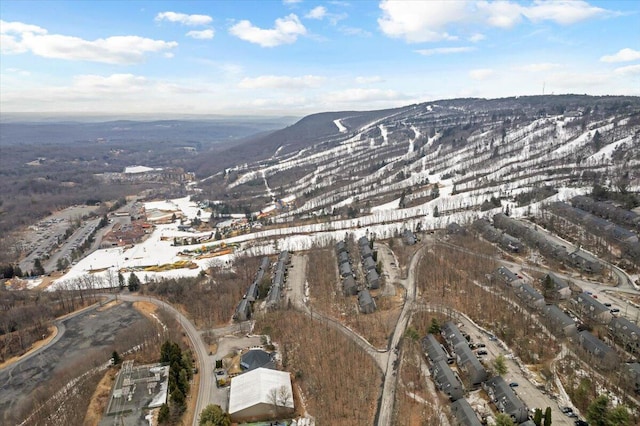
(340, 126)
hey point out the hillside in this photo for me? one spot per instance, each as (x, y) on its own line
(386, 165)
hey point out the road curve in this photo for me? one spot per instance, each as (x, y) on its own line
(200, 351)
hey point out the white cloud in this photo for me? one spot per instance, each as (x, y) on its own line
(111, 50)
(623, 55)
(19, 28)
(476, 38)
(628, 70)
(362, 95)
(318, 12)
(201, 35)
(445, 50)
(416, 21)
(354, 31)
(543, 66)
(184, 19)
(281, 82)
(564, 12)
(285, 31)
(481, 73)
(369, 80)
(291, 1)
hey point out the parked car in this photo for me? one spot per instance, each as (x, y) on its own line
(614, 310)
(482, 352)
(513, 384)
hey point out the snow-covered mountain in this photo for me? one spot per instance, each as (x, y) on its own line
(439, 159)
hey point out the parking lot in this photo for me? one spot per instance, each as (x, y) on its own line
(86, 337)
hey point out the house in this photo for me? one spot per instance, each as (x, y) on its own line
(587, 263)
(464, 413)
(433, 349)
(454, 229)
(606, 357)
(256, 358)
(530, 296)
(349, 286)
(510, 243)
(264, 264)
(363, 241)
(252, 292)
(243, 311)
(633, 375)
(446, 380)
(452, 334)
(365, 251)
(468, 362)
(365, 302)
(343, 257)
(505, 399)
(593, 309)
(508, 277)
(260, 394)
(409, 237)
(345, 270)
(560, 287)
(558, 322)
(625, 332)
(368, 263)
(341, 246)
(373, 279)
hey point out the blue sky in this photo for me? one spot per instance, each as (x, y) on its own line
(299, 57)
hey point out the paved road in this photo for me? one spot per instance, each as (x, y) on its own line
(387, 399)
(200, 351)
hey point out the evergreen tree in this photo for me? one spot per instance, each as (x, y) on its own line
(212, 415)
(434, 328)
(115, 357)
(597, 411)
(37, 267)
(120, 280)
(500, 365)
(134, 282)
(163, 414)
(504, 420)
(547, 417)
(537, 417)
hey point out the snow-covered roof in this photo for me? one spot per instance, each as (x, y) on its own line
(253, 388)
(138, 169)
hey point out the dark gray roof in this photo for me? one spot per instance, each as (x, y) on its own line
(507, 274)
(256, 358)
(530, 294)
(447, 381)
(264, 264)
(452, 334)
(373, 279)
(464, 414)
(557, 316)
(365, 301)
(558, 283)
(506, 400)
(468, 361)
(363, 241)
(345, 269)
(341, 246)
(590, 304)
(626, 329)
(594, 346)
(409, 237)
(365, 251)
(369, 263)
(343, 257)
(349, 286)
(243, 310)
(432, 348)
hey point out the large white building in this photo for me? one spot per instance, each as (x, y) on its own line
(260, 394)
